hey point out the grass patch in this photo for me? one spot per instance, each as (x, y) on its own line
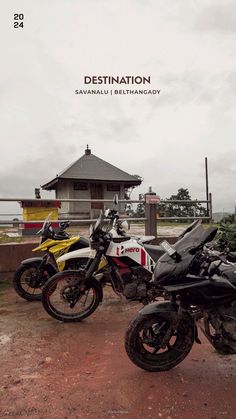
(5, 239)
(5, 285)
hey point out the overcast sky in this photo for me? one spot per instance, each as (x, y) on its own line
(187, 47)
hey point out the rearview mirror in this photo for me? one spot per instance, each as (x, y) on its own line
(115, 199)
(168, 248)
(107, 212)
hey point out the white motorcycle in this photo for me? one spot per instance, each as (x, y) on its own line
(125, 263)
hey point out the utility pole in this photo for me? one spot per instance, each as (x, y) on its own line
(207, 191)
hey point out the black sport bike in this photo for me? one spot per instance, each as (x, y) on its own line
(201, 287)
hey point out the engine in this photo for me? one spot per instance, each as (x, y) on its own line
(135, 282)
(224, 322)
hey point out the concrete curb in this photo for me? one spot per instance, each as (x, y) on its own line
(11, 255)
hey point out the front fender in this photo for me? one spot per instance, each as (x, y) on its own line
(32, 261)
(173, 309)
(159, 307)
(37, 261)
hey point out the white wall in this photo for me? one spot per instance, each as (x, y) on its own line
(63, 191)
(83, 209)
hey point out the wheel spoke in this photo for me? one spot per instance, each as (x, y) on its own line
(168, 346)
(66, 300)
(153, 336)
(155, 350)
(86, 294)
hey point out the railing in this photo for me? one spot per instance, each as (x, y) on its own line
(151, 211)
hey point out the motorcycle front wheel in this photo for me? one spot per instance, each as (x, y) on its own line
(64, 300)
(154, 345)
(28, 281)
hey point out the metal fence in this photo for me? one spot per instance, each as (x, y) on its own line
(151, 211)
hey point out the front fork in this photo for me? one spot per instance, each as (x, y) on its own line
(89, 270)
(91, 267)
(36, 281)
(45, 260)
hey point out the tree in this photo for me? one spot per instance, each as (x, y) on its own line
(182, 210)
(227, 236)
(140, 210)
(228, 219)
(190, 209)
(129, 206)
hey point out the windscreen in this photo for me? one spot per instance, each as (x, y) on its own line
(167, 269)
(98, 222)
(46, 220)
(44, 224)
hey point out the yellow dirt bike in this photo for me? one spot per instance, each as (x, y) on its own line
(33, 273)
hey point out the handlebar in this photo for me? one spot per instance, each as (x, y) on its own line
(48, 232)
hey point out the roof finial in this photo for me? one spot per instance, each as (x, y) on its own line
(87, 151)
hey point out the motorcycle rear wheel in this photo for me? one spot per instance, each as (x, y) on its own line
(58, 293)
(143, 341)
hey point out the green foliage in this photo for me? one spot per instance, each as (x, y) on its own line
(227, 236)
(182, 210)
(228, 219)
(4, 285)
(5, 239)
(140, 210)
(129, 210)
(173, 209)
(129, 207)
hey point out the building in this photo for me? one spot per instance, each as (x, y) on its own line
(90, 178)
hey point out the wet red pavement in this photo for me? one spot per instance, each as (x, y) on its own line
(54, 370)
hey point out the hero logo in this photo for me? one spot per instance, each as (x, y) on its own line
(132, 249)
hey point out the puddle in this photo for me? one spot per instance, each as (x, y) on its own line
(4, 339)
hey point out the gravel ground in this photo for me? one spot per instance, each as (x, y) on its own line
(135, 230)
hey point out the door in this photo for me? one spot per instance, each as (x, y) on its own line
(96, 193)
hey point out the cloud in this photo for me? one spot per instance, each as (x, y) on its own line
(217, 17)
(29, 173)
(188, 48)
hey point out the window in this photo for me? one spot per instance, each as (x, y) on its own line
(80, 186)
(115, 187)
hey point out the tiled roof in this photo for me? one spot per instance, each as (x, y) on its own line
(92, 168)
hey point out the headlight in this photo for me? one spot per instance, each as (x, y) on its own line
(125, 225)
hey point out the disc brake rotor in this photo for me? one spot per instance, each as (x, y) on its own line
(154, 334)
(32, 280)
(70, 292)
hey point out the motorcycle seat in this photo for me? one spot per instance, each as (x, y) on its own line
(154, 251)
